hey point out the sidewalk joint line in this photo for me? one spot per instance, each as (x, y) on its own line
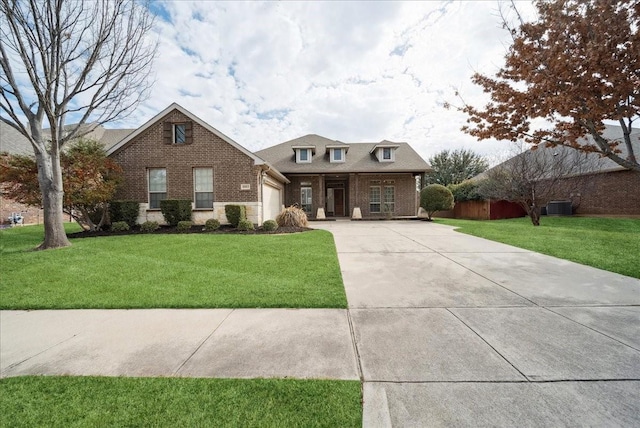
(491, 346)
(9, 367)
(355, 345)
(175, 372)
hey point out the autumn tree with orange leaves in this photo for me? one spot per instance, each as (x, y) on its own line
(575, 66)
(89, 178)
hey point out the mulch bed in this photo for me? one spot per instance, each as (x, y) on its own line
(164, 230)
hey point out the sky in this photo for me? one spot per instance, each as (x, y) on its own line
(264, 73)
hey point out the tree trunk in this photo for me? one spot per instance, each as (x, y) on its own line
(534, 215)
(50, 178)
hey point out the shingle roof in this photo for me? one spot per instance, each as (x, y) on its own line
(358, 158)
(13, 142)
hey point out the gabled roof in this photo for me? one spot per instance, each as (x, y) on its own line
(175, 106)
(358, 160)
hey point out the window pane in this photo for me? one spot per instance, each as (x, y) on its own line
(203, 179)
(389, 198)
(155, 198)
(204, 200)
(306, 199)
(337, 154)
(158, 180)
(304, 155)
(374, 199)
(180, 133)
(386, 153)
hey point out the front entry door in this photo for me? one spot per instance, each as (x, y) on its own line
(338, 197)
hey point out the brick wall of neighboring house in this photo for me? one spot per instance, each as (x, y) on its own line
(231, 167)
(608, 193)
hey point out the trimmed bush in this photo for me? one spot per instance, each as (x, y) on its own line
(292, 217)
(435, 197)
(119, 226)
(149, 226)
(245, 225)
(235, 214)
(211, 225)
(270, 225)
(184, 226)
(175, 210)
(126, 211)
(465, 191)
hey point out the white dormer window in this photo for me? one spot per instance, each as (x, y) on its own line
(303, 155)
(337, 155)
(386, 154)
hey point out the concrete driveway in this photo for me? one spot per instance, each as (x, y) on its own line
(444, 329)
(453, 330)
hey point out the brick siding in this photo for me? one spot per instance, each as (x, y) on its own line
(231, 167)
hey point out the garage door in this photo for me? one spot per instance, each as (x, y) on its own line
(271, 202)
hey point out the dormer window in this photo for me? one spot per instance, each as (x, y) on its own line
(304, 154)
(337, 152)
(385, 152)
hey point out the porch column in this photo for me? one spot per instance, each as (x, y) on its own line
(323, 192)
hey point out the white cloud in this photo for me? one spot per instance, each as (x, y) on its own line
(264, 73)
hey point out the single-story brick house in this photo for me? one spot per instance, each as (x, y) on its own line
(176, 155)
(334, 179)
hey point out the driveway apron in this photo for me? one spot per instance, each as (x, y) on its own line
(454, 330)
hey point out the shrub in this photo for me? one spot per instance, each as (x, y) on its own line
(211, 225)
(126, 211)
(435, 197)
(270, 225)
(292, 217)
(245, 225)
(119, 226)
(465, 191)
(175, 210)
(149, 226)
(235, 213)
(184, 226)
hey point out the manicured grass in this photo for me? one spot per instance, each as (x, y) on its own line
(171, 271)
(175, 402)
(606, 243)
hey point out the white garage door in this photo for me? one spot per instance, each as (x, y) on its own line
(271, 202)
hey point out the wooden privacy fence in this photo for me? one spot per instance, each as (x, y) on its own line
(483, 210)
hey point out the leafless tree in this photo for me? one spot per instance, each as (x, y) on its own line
(533, 178)
(83, 61)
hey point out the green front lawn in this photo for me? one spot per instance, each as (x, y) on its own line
(171, 271)
(177, 402)
(606, 243)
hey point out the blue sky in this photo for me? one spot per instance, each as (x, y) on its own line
(264, 73)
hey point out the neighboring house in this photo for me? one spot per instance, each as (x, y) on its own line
(335, 179)
(595, 185)
(176, 155)
(13, 142)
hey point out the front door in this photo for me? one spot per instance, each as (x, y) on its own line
(338, 198)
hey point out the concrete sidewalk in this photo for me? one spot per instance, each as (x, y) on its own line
(453, 330)
(444, 329)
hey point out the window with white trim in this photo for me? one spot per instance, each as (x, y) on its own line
(389, 199)
(303, 155)
(203, 187)
(374, 199)
(386, 153)
(337, 155)
(157, 186)
(306, 199)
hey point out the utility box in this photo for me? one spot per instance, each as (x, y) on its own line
(559, 208)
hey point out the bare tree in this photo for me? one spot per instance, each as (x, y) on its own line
(533, 178)
(85, 61)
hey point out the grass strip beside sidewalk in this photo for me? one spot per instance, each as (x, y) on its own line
(103, 401)
(611, 244)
